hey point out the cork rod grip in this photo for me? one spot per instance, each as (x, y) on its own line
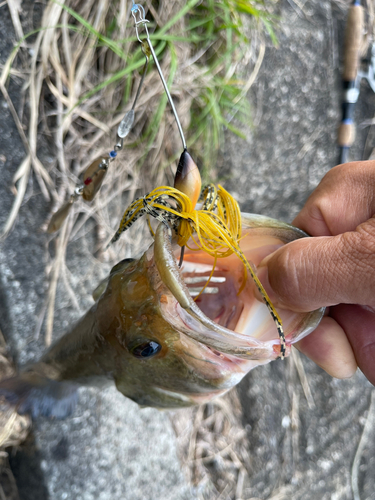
(353, 37)
(346, 135)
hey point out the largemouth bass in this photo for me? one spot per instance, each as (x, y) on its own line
(161, 348)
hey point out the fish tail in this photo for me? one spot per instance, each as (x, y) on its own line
(36, 395)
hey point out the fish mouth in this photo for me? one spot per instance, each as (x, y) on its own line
(225, 319)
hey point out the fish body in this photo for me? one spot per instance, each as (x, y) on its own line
(161, 348)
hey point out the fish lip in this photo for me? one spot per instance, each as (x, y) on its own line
(192, 321)
(188, 318)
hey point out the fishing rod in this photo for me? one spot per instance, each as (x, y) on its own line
(354, 70)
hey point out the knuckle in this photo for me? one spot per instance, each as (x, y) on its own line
(316, 210)
(357, 253)
(359, 246)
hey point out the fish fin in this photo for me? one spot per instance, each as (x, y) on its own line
(37, 396)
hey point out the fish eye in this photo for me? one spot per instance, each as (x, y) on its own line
(146, 349)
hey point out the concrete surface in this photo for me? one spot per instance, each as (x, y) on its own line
(109, 448)
(296, 101)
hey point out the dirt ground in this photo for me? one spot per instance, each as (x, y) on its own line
(306, 435)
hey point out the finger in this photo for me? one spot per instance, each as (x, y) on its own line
(359, 326)
(328, 347)
(314, 272)
(343, 200)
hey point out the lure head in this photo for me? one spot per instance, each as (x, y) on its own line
(188, 179)
(172, 352)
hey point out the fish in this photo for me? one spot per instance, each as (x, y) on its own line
(161, 342)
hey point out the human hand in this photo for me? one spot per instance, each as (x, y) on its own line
(336, 269)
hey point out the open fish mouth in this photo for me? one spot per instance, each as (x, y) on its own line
(221, 318)
(160, 346)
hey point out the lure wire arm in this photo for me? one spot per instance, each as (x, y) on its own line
(138, 9)
(128, 120)
(168, 94)
(142, 78)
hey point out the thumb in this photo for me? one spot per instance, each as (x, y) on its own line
(313, 272)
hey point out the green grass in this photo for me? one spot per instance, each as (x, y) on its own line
(213, 28)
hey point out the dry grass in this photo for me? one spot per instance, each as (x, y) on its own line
(363, 443)
(213, 444)
(13, 427)
(13, 430)
(213, 447)
(73, 107)
(79, 86)
(65, 66)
